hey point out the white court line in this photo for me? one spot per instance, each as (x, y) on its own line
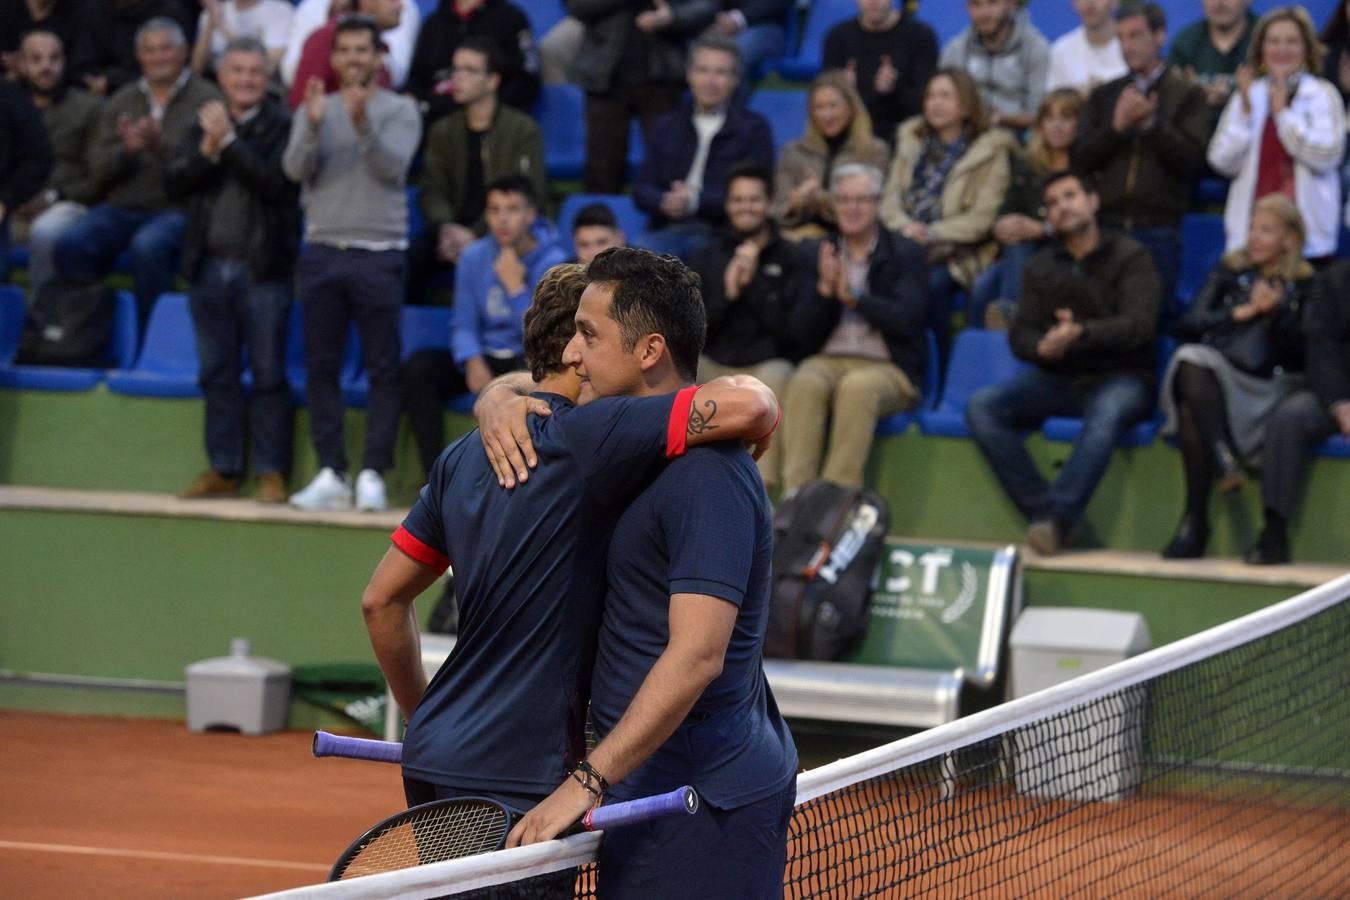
(172, 857)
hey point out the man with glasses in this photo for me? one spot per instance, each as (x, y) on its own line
(861, 313)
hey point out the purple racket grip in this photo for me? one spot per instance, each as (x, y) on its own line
(679, 801)
(326, 744)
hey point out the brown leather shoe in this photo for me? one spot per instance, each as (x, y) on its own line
(211, 484)
(271, 488)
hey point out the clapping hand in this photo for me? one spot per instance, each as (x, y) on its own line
(216, 127)
(354, 98)
(510, 270)
(656, 19)
(740, 270)
(1244, 77)
(1056, 342)
(675, 202)
(314, 101)
(1133, 109)
(887, 75)
(1266, 297)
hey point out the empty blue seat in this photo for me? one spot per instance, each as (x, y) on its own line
(543, 14)
(632, 220)
(1067, 429)
(420, 327)
(561, 112)
(167, 365)
(1335, 447)
(786, 112)
(948, 20)
(13, 313)
(820, 18)
(18, 256)
(1202, 240)
(1054, 18)
(978, 358)
(899, 423)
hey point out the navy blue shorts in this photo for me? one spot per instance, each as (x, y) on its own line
(735, 853)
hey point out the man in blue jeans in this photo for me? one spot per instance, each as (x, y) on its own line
(142, 124)
(239, 254)
(1086, 324)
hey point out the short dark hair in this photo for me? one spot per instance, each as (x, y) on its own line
(654, 295)
(479, 44)
(719, 44)
(514, 184)
(353, 22)
(550, 321)
(1153, 14)
(246, 45)
(595, 214)
(1086, 182)
(751, 169)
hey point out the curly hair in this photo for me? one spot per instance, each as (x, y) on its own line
(549, 322)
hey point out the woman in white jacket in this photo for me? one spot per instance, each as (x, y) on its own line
(1283, 131)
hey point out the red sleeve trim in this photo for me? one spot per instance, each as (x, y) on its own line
(428, 556)
(677, 432)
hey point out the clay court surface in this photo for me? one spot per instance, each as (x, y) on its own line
(146, 809)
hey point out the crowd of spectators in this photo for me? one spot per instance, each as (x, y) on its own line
(1040, 184)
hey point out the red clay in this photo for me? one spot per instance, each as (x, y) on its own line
(153, 787)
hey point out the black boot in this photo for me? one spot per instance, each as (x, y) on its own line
(1190, 539)
(1271, 547)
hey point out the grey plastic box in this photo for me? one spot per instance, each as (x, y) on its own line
(239, 691)
(1077, 758)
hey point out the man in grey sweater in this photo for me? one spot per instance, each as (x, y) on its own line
(350, 152)
(141, 124)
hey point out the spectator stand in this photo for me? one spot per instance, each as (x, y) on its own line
(13, 314)
(632, 220)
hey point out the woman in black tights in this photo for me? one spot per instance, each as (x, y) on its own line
(1245, 355)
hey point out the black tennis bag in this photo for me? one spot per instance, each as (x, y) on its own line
(827, 542)
(70, 323)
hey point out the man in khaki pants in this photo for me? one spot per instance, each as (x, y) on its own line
(861, 313)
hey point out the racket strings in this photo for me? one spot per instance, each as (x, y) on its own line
(422, 836)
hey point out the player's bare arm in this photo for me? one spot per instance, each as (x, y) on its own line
(733, 407)
(387, 606)
(700, 629)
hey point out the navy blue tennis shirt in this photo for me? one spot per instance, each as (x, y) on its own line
(507, 710)
(704, 526)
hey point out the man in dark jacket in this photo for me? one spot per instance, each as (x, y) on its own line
(861, 313)
(1086, 325)
(430, 79)
(25, 158)
(1306, 418)
(632, 63)
(751, 280)
(1143, 137)
(239, 252)
(692, 150)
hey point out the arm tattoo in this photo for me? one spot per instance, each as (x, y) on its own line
(700, 422)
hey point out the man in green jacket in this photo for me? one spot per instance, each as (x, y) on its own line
(482, 141)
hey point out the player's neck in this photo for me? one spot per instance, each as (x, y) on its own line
(565, 384)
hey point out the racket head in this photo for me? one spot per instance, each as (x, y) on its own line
(429, 833)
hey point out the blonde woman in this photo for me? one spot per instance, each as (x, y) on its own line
(1021, 228)
(838, 132)
(945, 188)
(1283, 132)
(1245, 345)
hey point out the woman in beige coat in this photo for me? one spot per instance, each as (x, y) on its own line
(945, 187)
(838, 131)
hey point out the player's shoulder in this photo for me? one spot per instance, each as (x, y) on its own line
(722, 461)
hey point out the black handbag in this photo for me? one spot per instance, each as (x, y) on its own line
(69, 324)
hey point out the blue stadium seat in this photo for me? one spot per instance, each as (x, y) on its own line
(1336, 447)
(415, 221)
(167, 366)
(1066, 429)
(295, 356)
(419, 327)
(427, 7)
(947, 19)
(978, 358)
(1054, 18)
(561, 112)
(820, 18)
(1209, 192)
(636, 148)
(1202, 241)
(18, 256)
(932, 381)
(13, 312)
(632, 220)
(786, 112)
(543, 14)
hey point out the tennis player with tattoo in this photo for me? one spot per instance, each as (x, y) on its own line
(678, 694)
(504, 717)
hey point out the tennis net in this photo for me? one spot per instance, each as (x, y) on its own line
(1219, 764)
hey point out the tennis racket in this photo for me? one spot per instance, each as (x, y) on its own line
(450, 829)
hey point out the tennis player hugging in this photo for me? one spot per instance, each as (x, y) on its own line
(611, 548)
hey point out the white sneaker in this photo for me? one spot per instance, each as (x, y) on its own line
(327, 491)
(370, 495)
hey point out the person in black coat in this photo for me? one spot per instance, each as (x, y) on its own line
(861, 316)
(25, 158)
(239, 254)
(501, 22)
